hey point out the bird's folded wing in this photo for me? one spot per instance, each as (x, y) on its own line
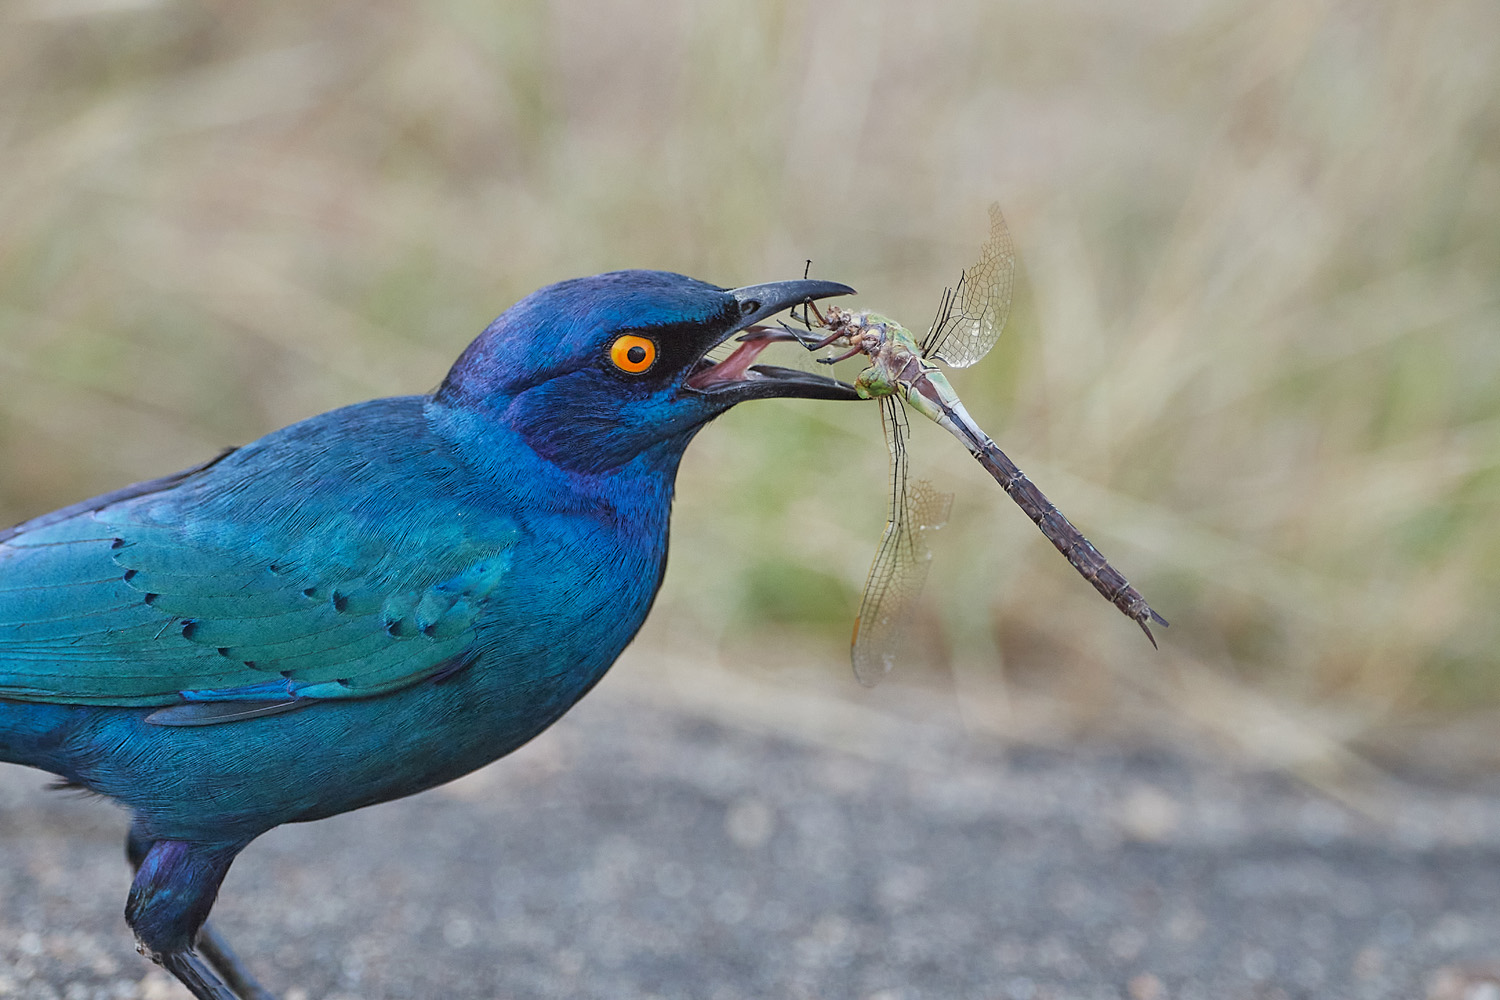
(103, 609)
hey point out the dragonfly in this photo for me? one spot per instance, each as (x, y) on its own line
(903, 373)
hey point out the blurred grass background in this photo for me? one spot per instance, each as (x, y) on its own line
(1254, 353)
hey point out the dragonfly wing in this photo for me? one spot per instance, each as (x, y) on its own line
(900, 568)
(970, 318)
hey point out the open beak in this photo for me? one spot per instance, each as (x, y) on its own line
(737, 378)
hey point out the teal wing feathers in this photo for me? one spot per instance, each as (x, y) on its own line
(93, 612)
(200, 594)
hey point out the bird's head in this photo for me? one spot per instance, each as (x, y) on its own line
(595, 371)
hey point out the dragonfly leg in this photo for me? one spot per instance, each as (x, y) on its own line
(850, 353)
(809, 304)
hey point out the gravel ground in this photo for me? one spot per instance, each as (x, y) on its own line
(639, 851)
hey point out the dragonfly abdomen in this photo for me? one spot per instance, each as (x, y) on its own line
(1079, 551)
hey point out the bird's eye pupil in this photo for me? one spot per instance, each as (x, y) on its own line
(636, 354)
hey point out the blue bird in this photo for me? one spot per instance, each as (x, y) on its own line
(373, 601)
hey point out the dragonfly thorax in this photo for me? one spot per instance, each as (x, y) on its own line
(895, 358)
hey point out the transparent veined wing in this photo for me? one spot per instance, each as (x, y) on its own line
(971, 316)
(881, 631)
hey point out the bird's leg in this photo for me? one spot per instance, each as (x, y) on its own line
(191, 972)
(175, 886)
(211, 945)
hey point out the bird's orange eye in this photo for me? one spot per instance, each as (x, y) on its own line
(632, 353)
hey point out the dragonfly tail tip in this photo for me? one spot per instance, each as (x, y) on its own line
(1147, 629)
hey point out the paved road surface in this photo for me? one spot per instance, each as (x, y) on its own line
(638, 851)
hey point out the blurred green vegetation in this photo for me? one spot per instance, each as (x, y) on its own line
(1254, 355)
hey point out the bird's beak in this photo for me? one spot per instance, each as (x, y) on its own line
(760, 301)
(736, 378)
